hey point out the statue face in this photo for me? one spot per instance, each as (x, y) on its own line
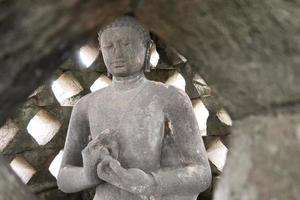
(123, 51)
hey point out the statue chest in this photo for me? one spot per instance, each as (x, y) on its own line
(139, 122)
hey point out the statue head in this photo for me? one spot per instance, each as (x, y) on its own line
(124, 45)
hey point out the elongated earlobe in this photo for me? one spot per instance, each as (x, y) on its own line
(150, 46)
(107, 72)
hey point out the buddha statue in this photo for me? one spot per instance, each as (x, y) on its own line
(135, 139)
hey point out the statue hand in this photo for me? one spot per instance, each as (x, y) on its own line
(132, 180)
(109, 139)
(93, 154)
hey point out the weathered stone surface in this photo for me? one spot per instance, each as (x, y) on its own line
(7, 133)
(228, 42)
(264, 160)
(11, 186)
(215, 127)
(37, 37)
(43, 96)
(44, 185)
(248, 51)
(135, 139)
(159, 75)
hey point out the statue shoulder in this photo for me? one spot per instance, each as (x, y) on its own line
(170, 92)
(81, 104)
(178, 96)
(89, 99)
(159, 86)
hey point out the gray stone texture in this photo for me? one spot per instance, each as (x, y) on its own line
(247, 51)
(265, 159)
(136, 144)
(11, 186)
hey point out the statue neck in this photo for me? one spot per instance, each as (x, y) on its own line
(128, 82)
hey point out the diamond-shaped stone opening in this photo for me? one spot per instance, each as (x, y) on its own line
(102, 82)
(176, 80)
(174, 57)
(22, 168)
(55, 164)
(154, 57)
(224, 117)
(7, 133)
(198, 79)
(65, 87)
(43, 127)
(201, 114)
(88, 55)
(217, 154)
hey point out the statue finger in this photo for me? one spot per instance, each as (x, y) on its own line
(95, 145)
(104, 171)
(101, 166)
(91, 144)
(118, 169)
(103, 150)
(114, 150)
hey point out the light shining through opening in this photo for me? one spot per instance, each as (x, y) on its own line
(55, 164)
(201, 114)
(23, 169)
(224, 117)
(66, 86)
(88, 55)
(217, 154)
(199, 79)
(102, 82)
(154, 58)
(177, 80)
(43, 127)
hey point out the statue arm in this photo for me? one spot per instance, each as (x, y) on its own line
(71, 177)
(193, 175)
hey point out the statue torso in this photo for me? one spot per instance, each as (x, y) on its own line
(138, 114)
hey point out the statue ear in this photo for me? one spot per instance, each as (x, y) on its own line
(149, 49)
(108, 74)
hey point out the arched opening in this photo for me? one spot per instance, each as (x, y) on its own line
(72, 82)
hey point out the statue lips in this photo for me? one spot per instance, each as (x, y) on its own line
(118, 63)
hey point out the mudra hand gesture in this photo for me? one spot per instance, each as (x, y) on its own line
(104, 145)
(132, 180)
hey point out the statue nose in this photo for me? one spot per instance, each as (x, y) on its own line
(118, 51)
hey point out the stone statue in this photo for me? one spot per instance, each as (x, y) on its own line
(135, 139)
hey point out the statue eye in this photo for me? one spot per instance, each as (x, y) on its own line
(125, 43)
(108, 45)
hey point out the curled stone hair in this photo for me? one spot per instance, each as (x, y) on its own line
(127, 21)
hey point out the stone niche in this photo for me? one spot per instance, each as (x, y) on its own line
(43, 118)
(247, 52)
